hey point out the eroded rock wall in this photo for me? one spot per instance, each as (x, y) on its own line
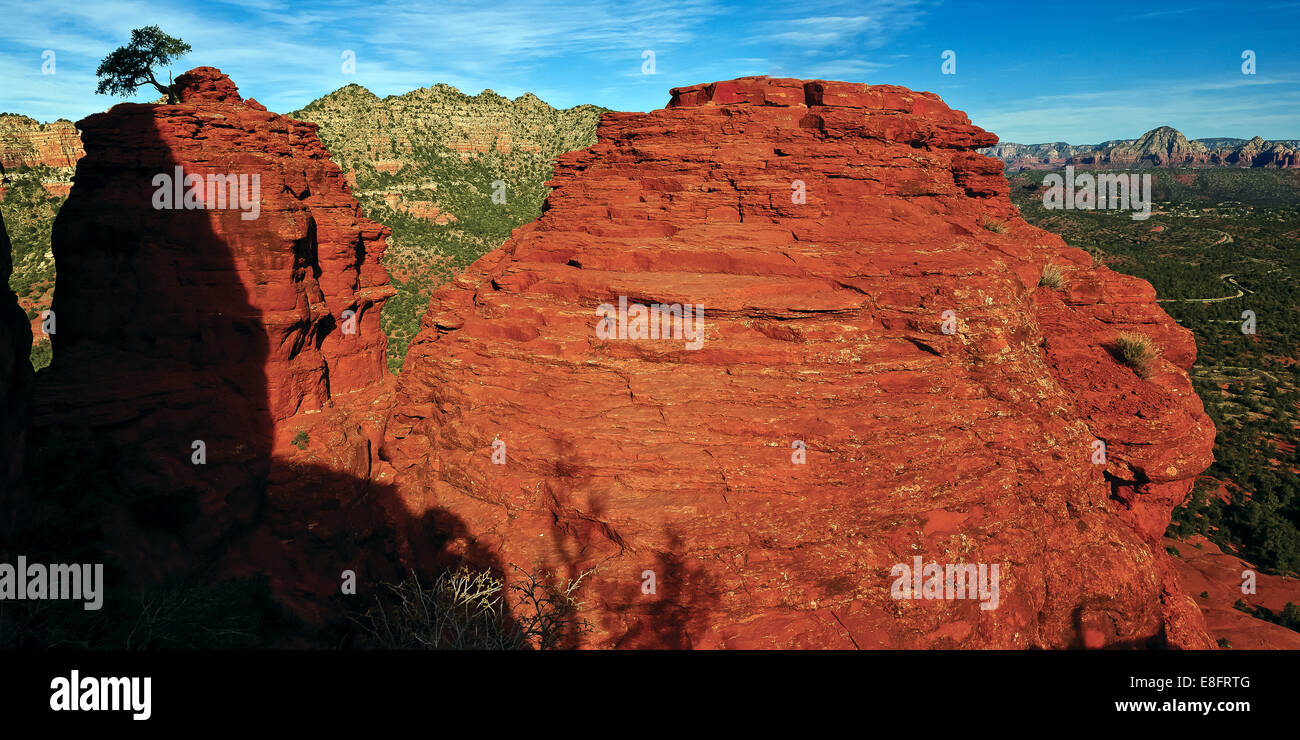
(835, 422)
(217, 354)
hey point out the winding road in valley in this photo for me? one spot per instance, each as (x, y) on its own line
(1229, 278)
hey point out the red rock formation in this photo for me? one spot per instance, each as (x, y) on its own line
(1160, 147)
(232, 326)
(26, 143)
(824, 326)
(835, 421)
(1215, 578)
(1259, 153)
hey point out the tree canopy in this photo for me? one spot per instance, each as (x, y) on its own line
(130, 66)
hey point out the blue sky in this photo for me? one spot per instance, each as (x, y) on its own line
(1029, 72)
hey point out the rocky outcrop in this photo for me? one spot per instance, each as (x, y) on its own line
(1260, 153)
(1160, 147)
(1229, 590)
(451, 173)
(218, 360)
(878, 377)
(25, 142)
(15, 379)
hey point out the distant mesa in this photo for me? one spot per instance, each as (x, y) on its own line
(1160, 147)
(25, 142)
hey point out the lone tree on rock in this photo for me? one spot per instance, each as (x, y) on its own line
(131, 66)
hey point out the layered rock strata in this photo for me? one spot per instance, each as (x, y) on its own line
(878, 377)
(217, 353)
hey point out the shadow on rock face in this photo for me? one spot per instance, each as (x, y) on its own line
(190, 344)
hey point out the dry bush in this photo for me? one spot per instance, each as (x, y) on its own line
(1053, 277)
(466, 609)
(997, 227)
(1137, 351)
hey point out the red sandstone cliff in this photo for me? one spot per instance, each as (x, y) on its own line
(25, 142)
(824, 326)
(179, 325)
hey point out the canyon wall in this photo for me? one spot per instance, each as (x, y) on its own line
(25, 142)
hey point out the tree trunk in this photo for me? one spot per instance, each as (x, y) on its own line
(165, 90)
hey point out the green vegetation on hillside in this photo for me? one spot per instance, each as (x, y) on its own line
(1289, 617)
(1221, 231)
(29, 212)
(428, 164)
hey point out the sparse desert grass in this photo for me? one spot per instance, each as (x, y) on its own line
(997, 227)
(1098, 256)
(1052, 277)
(1137, 351)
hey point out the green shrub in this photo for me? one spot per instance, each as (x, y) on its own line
(1289, 617)
(42, 354)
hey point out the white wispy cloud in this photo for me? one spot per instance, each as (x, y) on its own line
(1196, 109)
(866, 24)
(847, 69)
(270, 47)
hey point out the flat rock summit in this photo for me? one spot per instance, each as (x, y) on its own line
(764, 347)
